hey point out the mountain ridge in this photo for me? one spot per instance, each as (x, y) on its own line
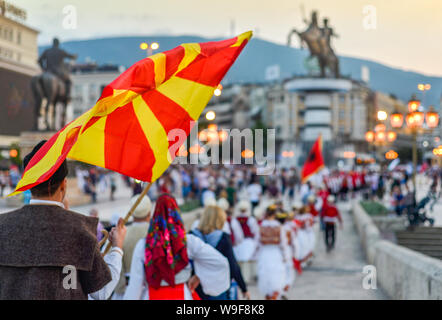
(256, 57)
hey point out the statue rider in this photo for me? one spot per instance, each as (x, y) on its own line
(52, 61)
(327, 33)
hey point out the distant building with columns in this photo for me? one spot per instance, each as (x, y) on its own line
(341, 110)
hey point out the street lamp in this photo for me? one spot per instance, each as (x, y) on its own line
(210, 115)
(432, 118)
(369, 136)
(396, 120)
(218, 90)
(423, 87)
(415, 120)
(149, 48)
(382, 115)
(391, 155)
(380, 137)
(391, 136)
(413, 104)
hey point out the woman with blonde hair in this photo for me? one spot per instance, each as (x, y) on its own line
(210, 230)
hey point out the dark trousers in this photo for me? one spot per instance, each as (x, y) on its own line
(330, 235)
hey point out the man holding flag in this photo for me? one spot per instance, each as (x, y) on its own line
(48, 252)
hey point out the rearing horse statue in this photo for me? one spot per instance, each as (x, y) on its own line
(318, 43)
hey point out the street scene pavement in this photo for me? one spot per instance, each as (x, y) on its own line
(220, 143)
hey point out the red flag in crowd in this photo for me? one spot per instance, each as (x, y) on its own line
(314, 162)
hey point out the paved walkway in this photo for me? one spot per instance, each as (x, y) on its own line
(334, 275)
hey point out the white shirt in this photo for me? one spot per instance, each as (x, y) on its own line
(211, 267)
(203, 179)
(114, 261)
(254, 191)
(207, 196)
(46, 202)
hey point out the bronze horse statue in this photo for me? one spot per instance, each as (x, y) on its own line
(49, 90)
(318, 43)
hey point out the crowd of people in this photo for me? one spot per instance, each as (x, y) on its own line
(9, 179)
(251, 229)
(95, 181)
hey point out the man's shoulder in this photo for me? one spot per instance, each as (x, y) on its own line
(48, 214)
(47, 235)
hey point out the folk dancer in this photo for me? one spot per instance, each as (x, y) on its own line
(245, 251)
(161, 267)
(272, 257)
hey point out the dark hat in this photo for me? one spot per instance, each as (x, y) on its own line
(57, 176)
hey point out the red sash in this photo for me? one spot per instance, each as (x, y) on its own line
(232, 235)
(170, 293)
(245, 227)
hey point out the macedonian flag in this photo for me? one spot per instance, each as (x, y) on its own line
(314, 162)
(134, 128)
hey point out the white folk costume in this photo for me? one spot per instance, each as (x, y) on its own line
(307, 234)
(161, 265)
(245, 251)
(271, 259)
(287, 227)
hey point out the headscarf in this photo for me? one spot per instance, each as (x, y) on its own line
(166, 251)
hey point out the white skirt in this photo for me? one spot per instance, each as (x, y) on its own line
(245, 250)
(271, 270)
(305, 245)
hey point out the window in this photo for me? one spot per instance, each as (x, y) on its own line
(19, 37)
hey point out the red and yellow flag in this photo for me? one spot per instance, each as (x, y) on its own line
(314, 162)
(127, 129)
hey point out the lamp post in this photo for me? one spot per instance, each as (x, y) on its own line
(424, 87)
(380, 136)
(149, 48)
(415, 121)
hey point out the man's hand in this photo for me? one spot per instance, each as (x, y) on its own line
(193, 282)
(246, 295)
(117, 234)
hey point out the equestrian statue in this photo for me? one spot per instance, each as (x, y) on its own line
(53, 86)
(318, 42)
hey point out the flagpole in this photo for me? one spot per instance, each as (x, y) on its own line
(129, 214)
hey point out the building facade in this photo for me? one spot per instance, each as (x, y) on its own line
(88, 82)
(18, 63)
(302, 108)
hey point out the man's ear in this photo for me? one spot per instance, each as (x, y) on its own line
(63, 186)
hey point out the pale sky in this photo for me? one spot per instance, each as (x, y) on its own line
(408, 33)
